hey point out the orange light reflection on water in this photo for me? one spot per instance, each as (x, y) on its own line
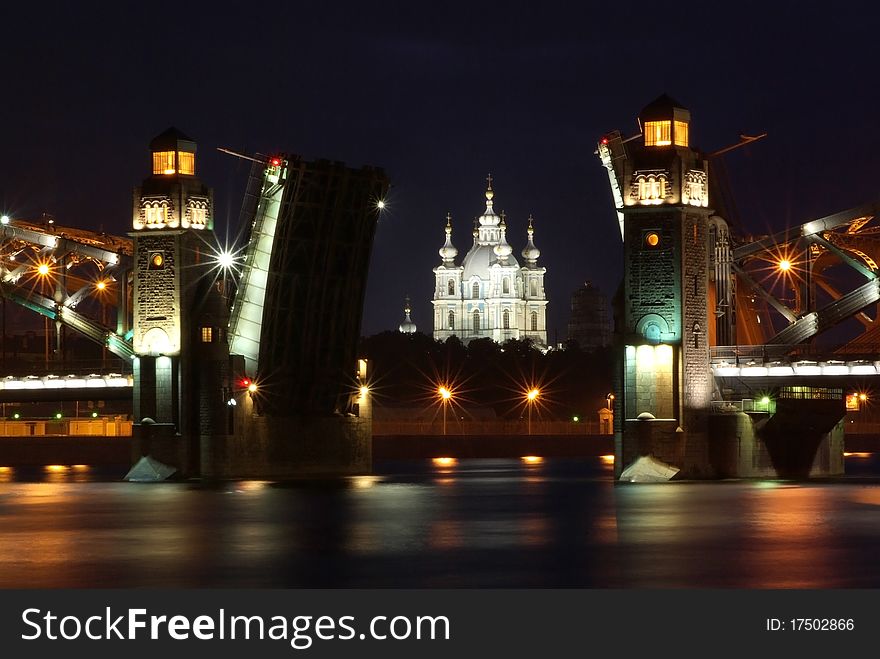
(444, 462)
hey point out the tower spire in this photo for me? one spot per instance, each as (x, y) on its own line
(407, 326)
(448, 252)
(531, 253)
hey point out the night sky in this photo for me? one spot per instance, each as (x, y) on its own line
(439, 94)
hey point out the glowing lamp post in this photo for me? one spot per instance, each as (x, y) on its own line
(43, 271)
(445, 395)
(531, 396)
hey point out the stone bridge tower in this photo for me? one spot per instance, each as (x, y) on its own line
(665, 386)
(181, 363)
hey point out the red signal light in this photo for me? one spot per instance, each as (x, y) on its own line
(245, 383)
(604, 140)
(275, 162)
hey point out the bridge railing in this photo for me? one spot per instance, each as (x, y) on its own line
(741, 355)
(80, 367)
(743, 405)
(494, 427)
(103, 427)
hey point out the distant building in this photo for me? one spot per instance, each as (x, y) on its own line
(407, 326)
(589, 325)
(490, 295)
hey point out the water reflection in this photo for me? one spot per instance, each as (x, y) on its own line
(512, 522)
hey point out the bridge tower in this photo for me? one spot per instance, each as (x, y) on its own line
(661, 188)
(181, 360)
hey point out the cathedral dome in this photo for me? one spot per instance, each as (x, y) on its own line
(477, 262)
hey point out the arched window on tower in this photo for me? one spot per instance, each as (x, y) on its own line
(451, 320)
(450, 287)
(505, 285)
(533, 288)
(475, 290)
(476, 322)
(533, 318)
(505, 318)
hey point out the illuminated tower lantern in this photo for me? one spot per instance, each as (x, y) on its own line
(660, 184)
(180, 317)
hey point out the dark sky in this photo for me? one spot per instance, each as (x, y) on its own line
(439, 94)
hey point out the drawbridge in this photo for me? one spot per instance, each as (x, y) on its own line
(54, 270)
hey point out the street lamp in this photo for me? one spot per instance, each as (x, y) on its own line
(445, 394)
(609, 400)
(531, 396)
(43, 270)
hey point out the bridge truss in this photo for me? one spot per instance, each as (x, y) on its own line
(787, 277)
(54, 270)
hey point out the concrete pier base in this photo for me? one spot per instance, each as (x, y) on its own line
(290, 447)
(758, 446)
(799, 439)
(665, 440)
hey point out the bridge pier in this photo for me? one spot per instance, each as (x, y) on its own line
(744, 446)
(662, 311)
(667, 315)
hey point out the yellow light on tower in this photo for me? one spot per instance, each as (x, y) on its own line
(444, 393)
(863, 397)
(252, 387)
(784, 265)
(532, 395)
(43, 269)
(101, 285)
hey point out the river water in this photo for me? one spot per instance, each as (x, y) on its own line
(479, 523)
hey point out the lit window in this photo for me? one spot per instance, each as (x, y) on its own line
(658, 133)
(505, 286)
(505, 319)
(163, 162)
(156, 215)
(476, 322)
(450, 287)
(681, 133)
(198, 215)
(186, 162)
(451, 319)
(694, 189)
(475, 290)
(207, 334)
(652, 188)
(533, 317)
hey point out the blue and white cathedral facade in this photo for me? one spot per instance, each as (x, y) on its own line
(490, 295)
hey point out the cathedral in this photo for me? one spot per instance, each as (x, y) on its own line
(490, 295)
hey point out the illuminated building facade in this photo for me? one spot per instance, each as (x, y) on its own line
(661, 189)
(490, 295)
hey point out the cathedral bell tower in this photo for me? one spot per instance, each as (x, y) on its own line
(180, 318)
(661, 188)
